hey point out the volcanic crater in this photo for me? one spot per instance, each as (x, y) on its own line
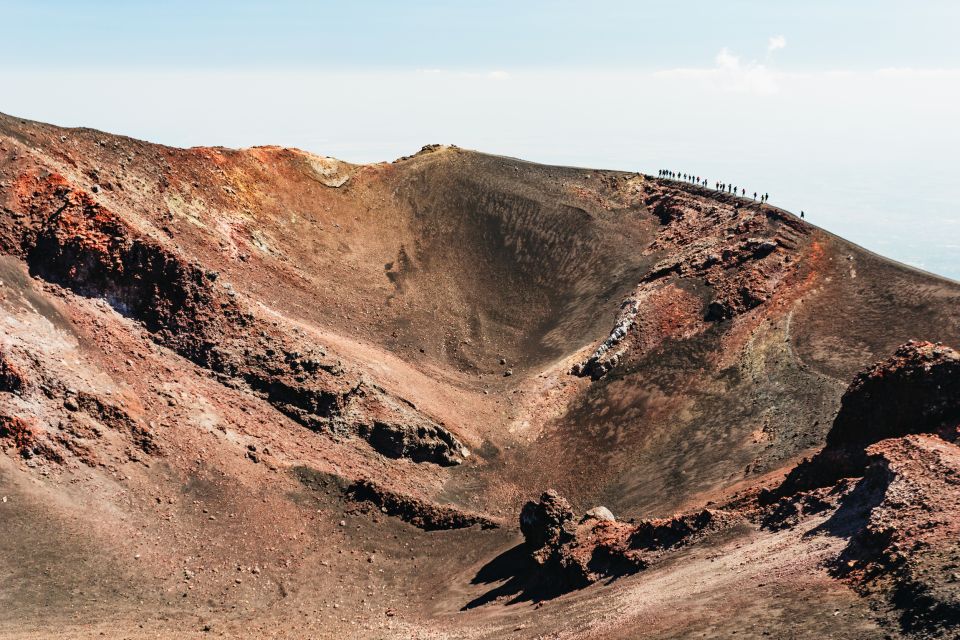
(264, 393)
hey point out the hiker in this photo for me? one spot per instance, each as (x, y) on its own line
(754, 195)
(801, 213)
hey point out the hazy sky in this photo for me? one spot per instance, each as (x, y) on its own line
(846, 110)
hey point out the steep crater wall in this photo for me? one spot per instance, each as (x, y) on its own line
(525, 264)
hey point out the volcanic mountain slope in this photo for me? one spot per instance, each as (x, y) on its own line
(261, 392)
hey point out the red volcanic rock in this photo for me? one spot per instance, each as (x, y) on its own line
(667, 210)
(737, 295)
(743, 256)
(18, 432)
(25, 438)
(569, 556)
(12, 379)
(647, 319)
(86, 247)
(906, 515)
(902, 518)
(917, 390)
(598, 549)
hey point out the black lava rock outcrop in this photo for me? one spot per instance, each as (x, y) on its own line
(542, 523)
(570, 554)
(917, 390)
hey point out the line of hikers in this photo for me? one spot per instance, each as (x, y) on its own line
(719, 186)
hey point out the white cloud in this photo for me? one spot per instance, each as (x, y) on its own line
(726, 60)
(776, 42)
(731, 74)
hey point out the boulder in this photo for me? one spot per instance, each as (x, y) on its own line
(12, 379)
(542, 523)
(599, 513)
(916, 390)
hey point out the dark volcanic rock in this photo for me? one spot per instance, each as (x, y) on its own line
(665, 533)
(424, 442)
(667, 211)
(18, 432)
(420, 513)
(542, 523)
(905, 521)
(88, 248)
(12, 379)
(901, 518)
(917, 390)
(568, 555)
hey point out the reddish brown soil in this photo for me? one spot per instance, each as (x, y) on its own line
(262, 393)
